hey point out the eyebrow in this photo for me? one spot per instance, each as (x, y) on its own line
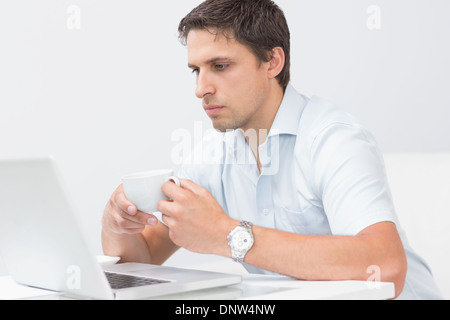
(212, 61)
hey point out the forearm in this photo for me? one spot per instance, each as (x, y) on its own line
(326, 257)
(130, 248)
(152, 246)
(309, 257)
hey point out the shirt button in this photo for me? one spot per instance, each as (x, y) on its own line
(266, 212)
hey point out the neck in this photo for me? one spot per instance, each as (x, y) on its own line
(267, 115)
(257, 134)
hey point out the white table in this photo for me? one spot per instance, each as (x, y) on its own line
(253, 287)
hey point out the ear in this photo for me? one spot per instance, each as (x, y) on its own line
(276, 63)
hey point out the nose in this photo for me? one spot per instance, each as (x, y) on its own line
(205, 85)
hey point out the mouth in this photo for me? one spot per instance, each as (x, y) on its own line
(213, 110)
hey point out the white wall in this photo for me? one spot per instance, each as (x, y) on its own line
(103, 84)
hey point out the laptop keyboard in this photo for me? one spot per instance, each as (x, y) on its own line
(121, 281)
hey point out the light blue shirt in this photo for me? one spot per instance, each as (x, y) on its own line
(322, 174)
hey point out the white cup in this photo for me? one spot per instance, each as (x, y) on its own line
(143, 189)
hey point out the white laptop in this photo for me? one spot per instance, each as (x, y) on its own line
(43, 246)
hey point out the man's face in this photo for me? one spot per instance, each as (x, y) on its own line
(231, 81)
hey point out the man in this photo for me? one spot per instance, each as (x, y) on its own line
(311, 201)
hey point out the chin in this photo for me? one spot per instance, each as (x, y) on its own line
(221, 127)
(222, 130)
(226, 125)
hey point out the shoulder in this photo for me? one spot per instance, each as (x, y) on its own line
(330, 139)
(324, 125)
(320, 114)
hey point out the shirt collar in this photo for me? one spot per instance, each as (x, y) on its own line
(289, 113)
(288, 117)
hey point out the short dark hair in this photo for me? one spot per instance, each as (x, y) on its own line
(258, 24)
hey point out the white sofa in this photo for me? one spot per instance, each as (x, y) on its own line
(420, 185)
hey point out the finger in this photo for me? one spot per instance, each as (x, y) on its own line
(132, 231)
(171, 190)
(123, 203)
(122, 223)
(191, 186)
(152, 220)
(168, 220)
(143, 218)
(166, 207)
(139, 217)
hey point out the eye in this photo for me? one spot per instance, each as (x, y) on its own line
(221, 67)
(196, 71)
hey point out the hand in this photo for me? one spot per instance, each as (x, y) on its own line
(195, 219)
(122, 217)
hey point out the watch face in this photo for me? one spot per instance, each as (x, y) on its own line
(241, 240)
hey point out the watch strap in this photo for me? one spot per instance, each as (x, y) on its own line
(236, 255)
(246, 224)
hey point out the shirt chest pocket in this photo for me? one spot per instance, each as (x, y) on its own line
(310, 221)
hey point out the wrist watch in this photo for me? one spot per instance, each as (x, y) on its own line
(241, 241)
